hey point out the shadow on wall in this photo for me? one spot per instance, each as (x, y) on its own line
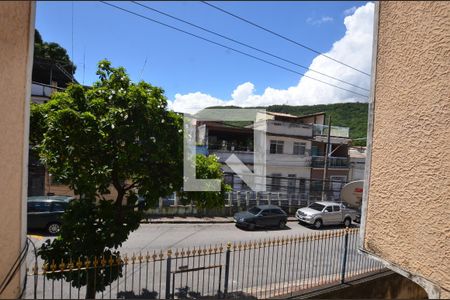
(389, 286)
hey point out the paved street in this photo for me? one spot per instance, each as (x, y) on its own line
(251, 270)
(164, 236)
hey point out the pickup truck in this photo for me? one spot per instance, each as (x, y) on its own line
(326, 213)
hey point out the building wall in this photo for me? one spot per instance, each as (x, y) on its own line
(406, 215)
(16, 52)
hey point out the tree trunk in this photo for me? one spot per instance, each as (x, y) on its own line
(90, 287)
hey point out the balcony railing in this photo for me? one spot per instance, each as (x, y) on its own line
(335, 130)
(333, 162)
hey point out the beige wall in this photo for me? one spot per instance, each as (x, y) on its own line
(16, 41)
(406, 210)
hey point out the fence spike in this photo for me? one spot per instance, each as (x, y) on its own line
(87, 263)
(79, 264)
(147, 257)
(95, 262)
(53, 266)
(110, 260)
(169, 253)
(103, 261)
(176, 252)
(62, 265)
(70, 265)
(125, 259)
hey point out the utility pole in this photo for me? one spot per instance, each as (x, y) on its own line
(325, 163)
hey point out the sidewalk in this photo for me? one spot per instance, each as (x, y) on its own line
(195, 220)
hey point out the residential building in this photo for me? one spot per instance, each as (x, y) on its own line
(357, 157)
(338, 161)
(47, 77)
(405, 213)
(294, 152)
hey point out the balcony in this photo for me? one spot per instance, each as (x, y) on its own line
(245, 156)
(41, 90)
(286, 128)
(333, 162)
(335, 131)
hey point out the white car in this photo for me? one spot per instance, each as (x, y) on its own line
(326, 213)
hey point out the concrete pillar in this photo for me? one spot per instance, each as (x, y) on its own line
(175, 199)
(16, 58)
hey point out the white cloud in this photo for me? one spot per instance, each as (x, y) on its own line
(354, 48)
(350, 11)
(319, 21)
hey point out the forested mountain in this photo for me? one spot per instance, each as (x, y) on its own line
(352, 115)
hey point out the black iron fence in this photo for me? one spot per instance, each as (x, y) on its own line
(256, 269)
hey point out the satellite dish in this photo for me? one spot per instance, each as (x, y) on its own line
(352, 193)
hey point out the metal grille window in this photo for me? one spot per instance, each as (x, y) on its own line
(276, 147)
(302, 185)
(276, 182)
(299, 148)
(291, 183)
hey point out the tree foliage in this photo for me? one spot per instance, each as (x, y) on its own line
(116, 136)
(207, 167)
(52, 52)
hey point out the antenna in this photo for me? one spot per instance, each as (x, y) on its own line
(73, 58)
(142, 70)
(84, 62)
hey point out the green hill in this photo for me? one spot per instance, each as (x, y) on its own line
(352, 115)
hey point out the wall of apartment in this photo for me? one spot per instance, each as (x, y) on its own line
(406, 216)
(16, 54)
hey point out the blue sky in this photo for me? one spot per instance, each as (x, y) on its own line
(184, 65)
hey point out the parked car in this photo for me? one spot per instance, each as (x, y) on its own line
(45, 213)
(261, 216)
(326, 213)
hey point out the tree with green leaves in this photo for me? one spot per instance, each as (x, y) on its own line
(108, 143)
(52, 52)
(207, 167)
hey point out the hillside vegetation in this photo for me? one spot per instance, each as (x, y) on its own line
(352, 115)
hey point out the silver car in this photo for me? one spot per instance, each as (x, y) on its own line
(326, 213)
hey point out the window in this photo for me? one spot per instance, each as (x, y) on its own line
(299, 148)
(276, 182)
(317, 206)
(39, 206)
(276, 147)
(59, 206)
(302, 185)
(336, 208)
(316, 185)
(266, 213)
(277, 212)
(291, 183)
(329, 209)
(254, 210)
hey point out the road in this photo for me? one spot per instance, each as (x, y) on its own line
(151, 237)
(302, 261)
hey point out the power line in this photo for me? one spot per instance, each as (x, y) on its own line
(232, 49)
(246, 45)
(284, 37)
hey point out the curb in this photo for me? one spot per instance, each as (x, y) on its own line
(181, 221)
